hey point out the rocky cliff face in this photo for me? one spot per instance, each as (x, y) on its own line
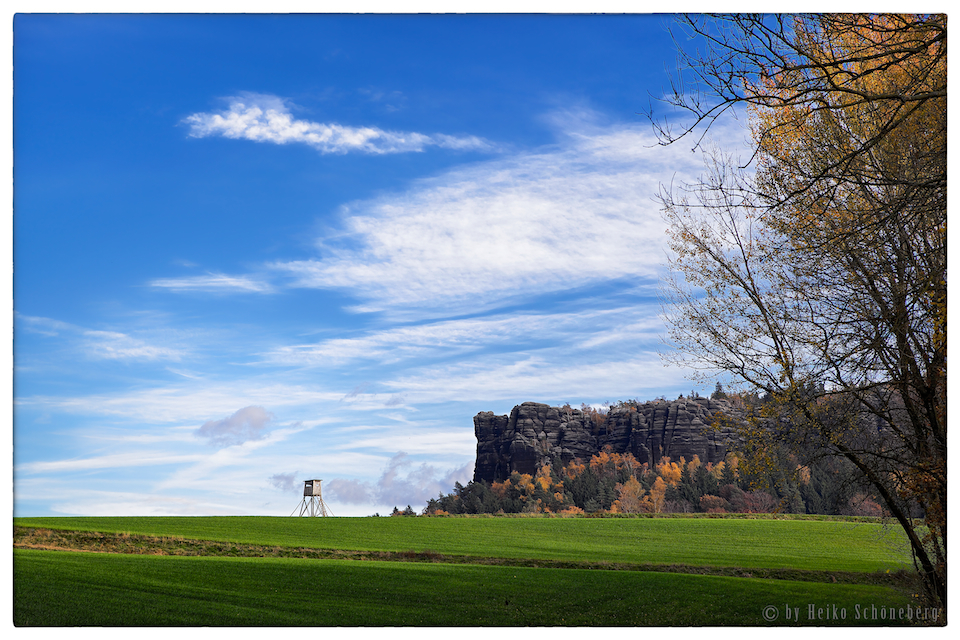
(535, 433)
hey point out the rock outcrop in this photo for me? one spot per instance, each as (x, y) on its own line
(534, 434)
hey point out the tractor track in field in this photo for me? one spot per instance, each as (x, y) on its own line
(125, 543)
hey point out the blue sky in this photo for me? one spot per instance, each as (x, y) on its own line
(253, 250)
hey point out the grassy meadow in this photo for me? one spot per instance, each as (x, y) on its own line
(468, 572)
(838, 545)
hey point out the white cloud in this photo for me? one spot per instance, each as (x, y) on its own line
(548, 377)
(114, 345)
(286, 482)
(575, 214)
(245, 424)
(267, 118)
(44, 326)
(99, 344)
(457, 337)
(446, 337)
(240, 435)
(145, 435)
(184, 403)
(138, 503)
(214, 282)
(238, 458)
(140, 458)
(351, 491)
(418, 441)
(401, 483)
(579, 213)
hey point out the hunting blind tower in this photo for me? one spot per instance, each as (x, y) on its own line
(312, 504)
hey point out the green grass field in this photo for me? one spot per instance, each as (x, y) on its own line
(64, 588)
(89, 589)
(835, 545)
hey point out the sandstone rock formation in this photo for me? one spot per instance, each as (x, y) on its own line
(534, 434)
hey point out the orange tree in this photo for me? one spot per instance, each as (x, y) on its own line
(816, 272)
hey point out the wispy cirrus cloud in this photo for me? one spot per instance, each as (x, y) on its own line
(549, 377)
(114, 345)
(185, 402)
(571, 215)
(453, 441)
(267, 118)
(100, 344)
(81, 499)
(214, 283)
(574, 214)
(133, 458)
(446, 338)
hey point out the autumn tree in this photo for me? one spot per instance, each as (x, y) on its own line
(816, 272)
(669, 471)
(655, 500)
(630, 498)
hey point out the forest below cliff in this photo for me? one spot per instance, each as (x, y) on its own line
(770, 480)
(616, 483)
